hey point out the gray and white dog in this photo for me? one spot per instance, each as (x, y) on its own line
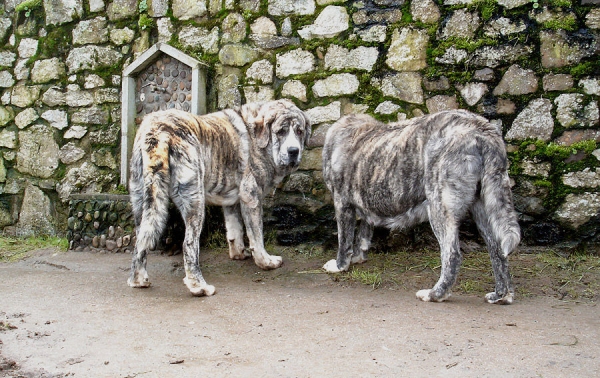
(230, 158)
(438, 167)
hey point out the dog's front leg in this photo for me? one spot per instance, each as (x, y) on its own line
(252, 216)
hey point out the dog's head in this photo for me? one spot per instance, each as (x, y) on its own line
(281, 126)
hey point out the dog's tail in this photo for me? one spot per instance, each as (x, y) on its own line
(149, 185)
(497, 196)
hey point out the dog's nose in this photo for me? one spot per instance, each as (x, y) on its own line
(293, 152)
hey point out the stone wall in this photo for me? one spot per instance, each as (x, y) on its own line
(532, 67)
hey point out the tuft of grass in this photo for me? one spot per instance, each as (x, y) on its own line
(13, 249)
(370, 277)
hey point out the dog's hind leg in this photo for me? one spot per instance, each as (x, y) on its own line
(362, 243)
(235, 232)
(504, 292)
(346, 222)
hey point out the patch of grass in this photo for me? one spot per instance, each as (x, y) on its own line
(14, 249)
(370, 277)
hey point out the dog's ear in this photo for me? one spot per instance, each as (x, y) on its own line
(307, 127)
(254, 117)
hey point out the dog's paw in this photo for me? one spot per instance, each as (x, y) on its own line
(424, 295)
(428, 295)
(331, 267)
(268, 262)
(198, 289)
(494, 298)
(139, 283)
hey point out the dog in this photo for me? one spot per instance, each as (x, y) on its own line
(230, 158)
(438, 167)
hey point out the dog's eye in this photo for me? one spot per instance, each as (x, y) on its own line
(299, 132)
(282, 131)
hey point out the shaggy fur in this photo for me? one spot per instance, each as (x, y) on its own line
(230, 158)
(438, 167)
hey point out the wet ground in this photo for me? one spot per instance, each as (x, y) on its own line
(66, 314)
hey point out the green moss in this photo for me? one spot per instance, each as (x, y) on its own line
(488, 8)
(561, 3)
(145, 22)
(568, 23)
(28, 5)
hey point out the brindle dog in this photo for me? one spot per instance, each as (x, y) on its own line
(230, 158)
(438, 167)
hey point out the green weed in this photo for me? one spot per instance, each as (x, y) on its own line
(13, 249)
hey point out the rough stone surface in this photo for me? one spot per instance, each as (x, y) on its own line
(97, 5)
(331, 21)
(104, 158)
(93, 115)
(8, 139)
(559, 50)
(328, 113)
(158, 8)
(229, 94)
(91, 31)
(387, 107)
(532, 168)
(38, 152)
(54, 97)
(26, 118)
(517, 81)
(57, 118)
(336, 85)
(191, 36)
(121, 36)
(75, 132)
(452, 55)
(86, 178)
(493, 56)
(6, 79)
(535, 121)
(294, 62)
(441, 102)
(571, 111)
(47, 70)
(405, 86)
(188, 9)
(462, 24)
(6, 115)
(294, 88)
(408, 51)
(122, 9)
(511, 4)
(291, 7)
(361, 58)
(592, 19)
(425, 11)
(472, 92)
(504, 26)
(583, 179)
(5, 24)
(75, 97)
(590, 86)
(237, 55)
(24, 96)
(260, 71)
(233, 29)
(36, 217)
(27, 48)
(91, 57)
(578, 209)
(70, 153)
(557, 82)
(59, 12)
(258, 94)
(7, 58)
(375, 33)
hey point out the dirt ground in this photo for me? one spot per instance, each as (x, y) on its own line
(66, 314)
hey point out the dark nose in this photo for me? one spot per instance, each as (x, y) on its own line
(293, 152)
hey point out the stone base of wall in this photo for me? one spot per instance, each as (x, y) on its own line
(105, 222)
